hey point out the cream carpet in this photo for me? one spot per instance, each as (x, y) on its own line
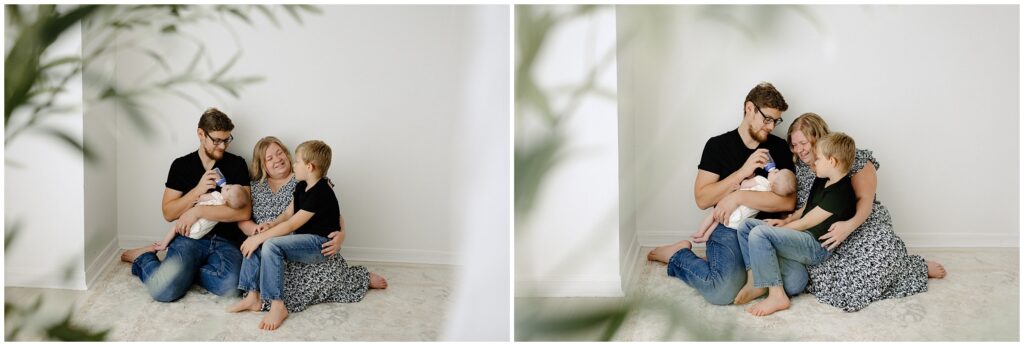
(979, 300)
(412, 308)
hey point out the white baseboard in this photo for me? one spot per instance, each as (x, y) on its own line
(349, 252)
(632, 272)
(109, 255)
(913, 240)
(563, 287)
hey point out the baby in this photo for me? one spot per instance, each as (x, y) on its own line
(781, 182)
(232, 195)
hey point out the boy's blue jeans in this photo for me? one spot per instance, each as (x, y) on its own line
(214, 261)
(722, 275)
(769, 250)
(263, 271)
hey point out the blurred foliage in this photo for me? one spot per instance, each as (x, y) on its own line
(35, 76)
(34, 79)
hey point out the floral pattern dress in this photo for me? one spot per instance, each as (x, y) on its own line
(871, 264)
(331, 281)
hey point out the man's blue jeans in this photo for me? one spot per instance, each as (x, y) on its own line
(772, 251)
(263, 271)
(718, 278)
(214, 261)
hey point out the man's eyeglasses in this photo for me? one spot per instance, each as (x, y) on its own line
(218, 141)
(768, 119)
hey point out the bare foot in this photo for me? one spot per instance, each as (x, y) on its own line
(703, 239)
(698, 234)
(749, 292)
(275, 316)
(377, 281)
(159, 246)
(664, 253)
(936, 270)
(130, 255)
(770, 305)
(251, 302)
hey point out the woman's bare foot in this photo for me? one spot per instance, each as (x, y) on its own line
(130, 255)
(664, 253)
(251, 302)
(936, 270)
(749, 292)
(774, 302)
(275, 316)
(377, 281)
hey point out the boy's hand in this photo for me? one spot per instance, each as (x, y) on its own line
(262, 228)
(250, 245)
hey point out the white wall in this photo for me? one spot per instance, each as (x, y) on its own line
(933, 90)
(569, 245)
(382, 85)
(43, 193)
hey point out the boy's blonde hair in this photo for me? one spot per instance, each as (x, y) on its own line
(785, 183)
(839, 146)
(317, 153)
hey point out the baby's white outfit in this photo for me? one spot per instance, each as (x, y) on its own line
(203, 226)
(743, 212)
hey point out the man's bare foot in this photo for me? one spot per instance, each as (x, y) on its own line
(770, 305)
(251, 302)
(664, 253)
(275, 316)
(936, 270)
(377, 281)
(130, 255)
(749, 292)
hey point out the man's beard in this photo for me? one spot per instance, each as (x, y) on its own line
(756, 135)
(214, 154)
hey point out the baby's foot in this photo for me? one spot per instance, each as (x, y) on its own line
(698, 234)
(159, 246)
(130, 255)
(936, 270)
(664, 253)
(251, 302)
(377, 281)
(274, 318)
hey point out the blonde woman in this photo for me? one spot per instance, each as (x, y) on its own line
(870, 262)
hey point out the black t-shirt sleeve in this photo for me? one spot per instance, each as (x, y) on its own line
(176, 177)
(839, 198)
(314, 200)
(711, 158)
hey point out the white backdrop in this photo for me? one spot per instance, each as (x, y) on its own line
(932, 90)
(383, 86)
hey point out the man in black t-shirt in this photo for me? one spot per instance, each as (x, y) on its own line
(727, 160)
(214, 260)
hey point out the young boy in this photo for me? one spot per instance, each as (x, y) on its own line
(232, 195)
(781, 182)
(831, 199)
(296, 235)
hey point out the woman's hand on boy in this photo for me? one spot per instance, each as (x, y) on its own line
(775, 222)
(837, 233)
(332, 246)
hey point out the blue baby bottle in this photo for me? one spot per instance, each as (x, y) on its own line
(770, 166)
(220, 181)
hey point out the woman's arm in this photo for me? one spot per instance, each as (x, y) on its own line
(864, 184)
(332, 246)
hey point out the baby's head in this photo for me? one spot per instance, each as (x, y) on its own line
(234, 196)
(783, 182)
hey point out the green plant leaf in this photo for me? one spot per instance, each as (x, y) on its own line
(66, 331)
(65, 138)
(269, 14)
